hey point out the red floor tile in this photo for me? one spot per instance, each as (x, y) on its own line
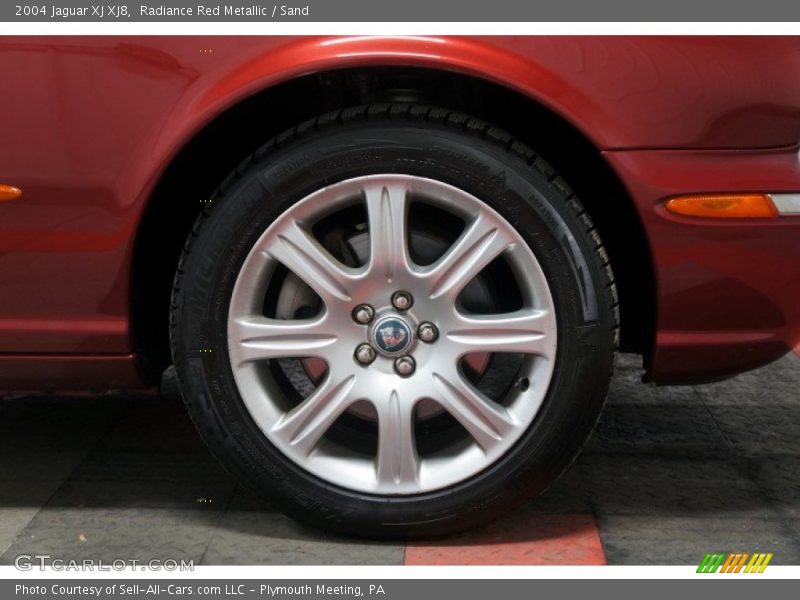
(532, 540)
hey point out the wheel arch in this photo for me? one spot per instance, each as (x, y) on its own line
(245, 109)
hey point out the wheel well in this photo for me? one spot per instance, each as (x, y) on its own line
(218, 148)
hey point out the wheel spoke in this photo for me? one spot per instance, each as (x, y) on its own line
(304, 426)
(398, 462)
(484, 419)
(526, 331)
(259, 338)
(387, 209)
(302, 254)
(479, 245)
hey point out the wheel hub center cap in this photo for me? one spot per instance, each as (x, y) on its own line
(392, 335)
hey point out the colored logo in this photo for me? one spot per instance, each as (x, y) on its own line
(392, 335)
(734, 562)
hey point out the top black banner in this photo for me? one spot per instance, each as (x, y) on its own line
(406, 11)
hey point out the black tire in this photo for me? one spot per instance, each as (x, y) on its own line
(437, 144)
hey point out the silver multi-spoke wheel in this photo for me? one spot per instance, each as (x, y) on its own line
(385, 339)
(382, 355)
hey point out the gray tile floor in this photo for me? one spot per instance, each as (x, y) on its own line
(669, 474)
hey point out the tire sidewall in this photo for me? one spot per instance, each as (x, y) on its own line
(531, 198)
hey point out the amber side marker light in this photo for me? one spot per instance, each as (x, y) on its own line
(9, 192)
(723, 206)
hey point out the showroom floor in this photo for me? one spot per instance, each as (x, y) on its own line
(670, 474)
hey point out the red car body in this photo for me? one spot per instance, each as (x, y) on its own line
(90, 126)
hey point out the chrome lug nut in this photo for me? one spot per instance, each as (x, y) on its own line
(363, 313)
(405, 366)
(402, 300)
(365, 354)
(427, 332)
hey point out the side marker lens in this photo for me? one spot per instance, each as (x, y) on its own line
(9, 192)
(723, 206)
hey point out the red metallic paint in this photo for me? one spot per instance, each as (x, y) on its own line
(93, 122)
(727, 289)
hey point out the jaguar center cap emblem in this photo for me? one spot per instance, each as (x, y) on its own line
(392, 336)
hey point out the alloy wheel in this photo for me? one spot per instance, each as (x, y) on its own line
(391, 335)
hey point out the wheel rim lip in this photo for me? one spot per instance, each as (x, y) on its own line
(435, 473)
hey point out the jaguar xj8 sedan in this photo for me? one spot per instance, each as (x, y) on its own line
(392, 273)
